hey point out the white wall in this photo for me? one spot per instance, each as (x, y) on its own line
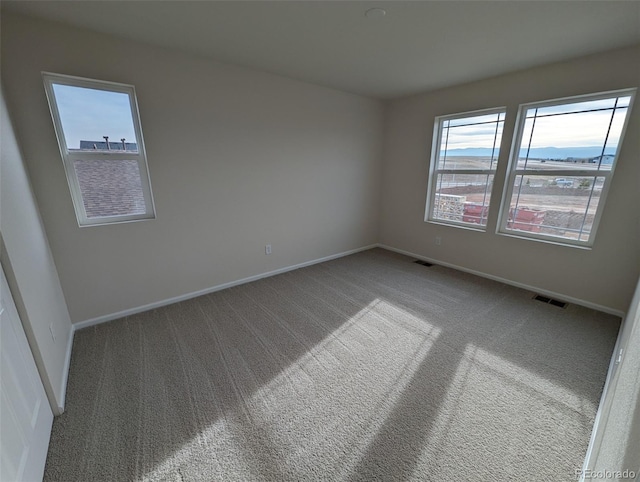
(604, 275)
(240, 158)
(30, 269)
(615, 445)
(237, 159)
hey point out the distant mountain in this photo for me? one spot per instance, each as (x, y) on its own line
(537, 152)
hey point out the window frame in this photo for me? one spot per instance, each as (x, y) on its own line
(68, 157)
(434, 170)
(513, 172)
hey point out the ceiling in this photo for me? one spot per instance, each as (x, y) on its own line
(417, 46)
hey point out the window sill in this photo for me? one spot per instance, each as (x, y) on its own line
(469, 227)
(106, 221)
(559, 242)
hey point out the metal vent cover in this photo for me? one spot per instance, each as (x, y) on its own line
(423, 263)
(550, 301)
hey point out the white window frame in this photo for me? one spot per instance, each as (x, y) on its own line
(513, 171)
(434, 171)
(68, 157)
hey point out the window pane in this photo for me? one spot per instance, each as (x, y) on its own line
(576, 107)
(469, 162)
(572, 136)
(568, 164)
(571, 130)
(563, 207)
(476, 119)
(471, 142)
(88, 116)
(110, 187)
(462, 198)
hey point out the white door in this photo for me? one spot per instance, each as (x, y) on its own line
(25, 413)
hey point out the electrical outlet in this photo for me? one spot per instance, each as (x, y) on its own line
(438, 240)
(267, 249)
(53, 335)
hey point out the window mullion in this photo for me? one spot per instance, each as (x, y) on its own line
(100, 156)
(562, 172)
(526, 161)
(466, 171)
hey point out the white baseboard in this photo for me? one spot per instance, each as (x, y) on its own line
(186, 296)
(535, 289)
(139, 309)
(65, 373)
(194, 294)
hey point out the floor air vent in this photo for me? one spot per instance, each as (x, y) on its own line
(423, 263)
(550, 301)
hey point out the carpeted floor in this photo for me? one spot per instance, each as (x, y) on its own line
(368, 367)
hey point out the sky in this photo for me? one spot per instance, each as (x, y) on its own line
(89, 114)
(479, 135)
(573, 129)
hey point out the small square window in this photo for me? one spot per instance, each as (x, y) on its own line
(100, 139)
(463, 165)
(561, 166)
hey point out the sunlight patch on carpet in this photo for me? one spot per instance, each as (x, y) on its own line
(337, 415)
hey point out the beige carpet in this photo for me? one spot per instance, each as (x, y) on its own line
(368, 367)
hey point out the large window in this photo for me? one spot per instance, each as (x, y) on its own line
(98, 130)
(562, 160)
(463, 165)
